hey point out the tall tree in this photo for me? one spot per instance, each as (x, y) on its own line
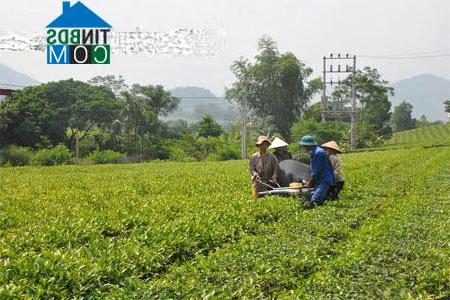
(160, 101)
(423, 121)
(116, 84)
(23, 116)
(137, 118)
(209, 127)
(275, 85)
(447, 108)
(401, 118)
(314, 112)
(56, 112)
(143, 106)
(372, 92)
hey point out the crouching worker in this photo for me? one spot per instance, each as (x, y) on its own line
(322, 175)
(280, 149)
(263, 167)
(332, 149)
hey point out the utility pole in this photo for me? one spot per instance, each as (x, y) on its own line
(328, 69)
(324, 95)
(244, 124)
(354, 117)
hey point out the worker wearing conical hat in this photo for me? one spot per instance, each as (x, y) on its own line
(333, 149)
(280, 149)
(263, 167)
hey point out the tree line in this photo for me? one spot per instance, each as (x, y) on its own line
(101, 119)
(105, 114)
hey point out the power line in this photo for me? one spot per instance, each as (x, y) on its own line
(405, 57)
(13, 85)
(415, 55)
(190, 97)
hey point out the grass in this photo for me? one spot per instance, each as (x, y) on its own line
(175, 230)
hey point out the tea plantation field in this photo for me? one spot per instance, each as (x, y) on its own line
(429, 135)
(192, 230)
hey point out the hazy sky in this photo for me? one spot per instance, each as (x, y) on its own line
(310, 29)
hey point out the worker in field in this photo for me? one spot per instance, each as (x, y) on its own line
(281, 151)
(322, 174)
(263, 167)
(333, 150)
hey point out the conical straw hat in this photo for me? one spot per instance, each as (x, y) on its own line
(332, 145)
(277, 143)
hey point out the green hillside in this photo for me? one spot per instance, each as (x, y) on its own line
(430, 135)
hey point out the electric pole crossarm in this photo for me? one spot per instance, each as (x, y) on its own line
(328, 69)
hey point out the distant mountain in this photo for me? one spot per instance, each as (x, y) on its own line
(426, 93)
(197, 101)
(192, 91)
(11, 79)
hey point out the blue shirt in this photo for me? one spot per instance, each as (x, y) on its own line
(321, 167)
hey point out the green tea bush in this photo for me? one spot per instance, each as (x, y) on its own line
(167, 230)
(178, 154)
(228, 153)
(58, 155)
(15, 156)
(106, 157)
